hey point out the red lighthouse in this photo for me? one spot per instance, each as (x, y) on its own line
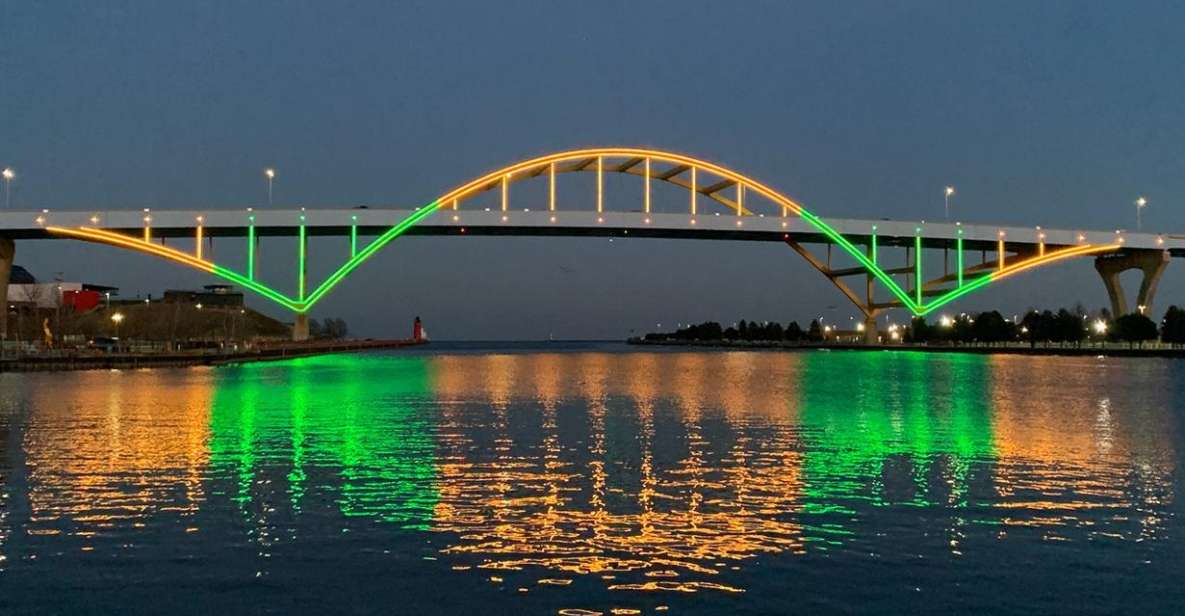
(417, 331)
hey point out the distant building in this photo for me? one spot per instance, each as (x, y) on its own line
(25, 291)
(214, 295)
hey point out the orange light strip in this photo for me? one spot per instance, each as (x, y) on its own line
(551, 187)
(505, 192)
(124, 241)
(646, 204)
(1050, 257)
(694, 191)
(484, 182)
(198, 243)
(109, 237)
(600, 184)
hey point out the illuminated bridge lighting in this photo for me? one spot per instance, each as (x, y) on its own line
(698, 177)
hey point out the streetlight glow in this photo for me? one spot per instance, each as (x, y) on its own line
(8, 174)
(947, 194)
(271, 176)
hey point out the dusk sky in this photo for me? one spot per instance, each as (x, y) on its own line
(1040, 113)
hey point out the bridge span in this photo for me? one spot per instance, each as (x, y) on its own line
(922, 265)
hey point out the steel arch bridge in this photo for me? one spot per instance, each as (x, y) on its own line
(751, 210)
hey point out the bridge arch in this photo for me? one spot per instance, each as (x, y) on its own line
(701, 178)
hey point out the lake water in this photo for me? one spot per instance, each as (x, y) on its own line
(596, 478)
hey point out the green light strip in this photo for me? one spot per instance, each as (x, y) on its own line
(885, 279)
(954, 294)
(874, 244)
(251, 250)
(263, 290)
(301, 263)
(368, 252)
(354, 239)
(917, 267)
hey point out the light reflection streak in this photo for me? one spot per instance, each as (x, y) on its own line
(608, 509)
(127, 459)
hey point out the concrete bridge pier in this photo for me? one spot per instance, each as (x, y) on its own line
(7, 254)
(1153, 264)
(300, 329)
(870, 333)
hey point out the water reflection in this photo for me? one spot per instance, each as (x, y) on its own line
(624, 481)
(630, 471)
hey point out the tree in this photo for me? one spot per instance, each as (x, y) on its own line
(1068, 327)
(1172, 328)
(815, 331)
(793, 332)
(1134, 328)
(991, 327)
(1037, 327)
(336, 329)
(963, 329)
(919, 331)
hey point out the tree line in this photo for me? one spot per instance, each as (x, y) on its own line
(1066, 326)
(1047, 327)
(328, 329)
(753, 331)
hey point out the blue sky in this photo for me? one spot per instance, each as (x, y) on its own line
(1049, 113)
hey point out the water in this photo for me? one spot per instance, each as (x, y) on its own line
(560, 478)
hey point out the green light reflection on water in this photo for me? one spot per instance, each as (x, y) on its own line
(361, 417)
(862, 411)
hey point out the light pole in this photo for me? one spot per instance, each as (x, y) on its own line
(271, 176)
(1141, 203)
(117, 318)
(947, 194)
(8, 174)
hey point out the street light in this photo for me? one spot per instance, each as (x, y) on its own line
(947, 194)
(1141, 203)
(117, 318)
(271, 176)
(8, 174)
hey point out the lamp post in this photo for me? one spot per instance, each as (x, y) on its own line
(271, 176)
(117, 318)
(947, 193)
(1141, 203)
(8, 174)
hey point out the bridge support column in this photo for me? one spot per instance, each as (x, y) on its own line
(7, 254)
(300, 329)
(1153, 264)
(871, 335)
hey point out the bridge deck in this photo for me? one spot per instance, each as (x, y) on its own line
(337, 222)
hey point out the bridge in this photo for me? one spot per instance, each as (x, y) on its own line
(877, 264)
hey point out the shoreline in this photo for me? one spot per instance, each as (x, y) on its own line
(278, 352)
(1083, 351)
